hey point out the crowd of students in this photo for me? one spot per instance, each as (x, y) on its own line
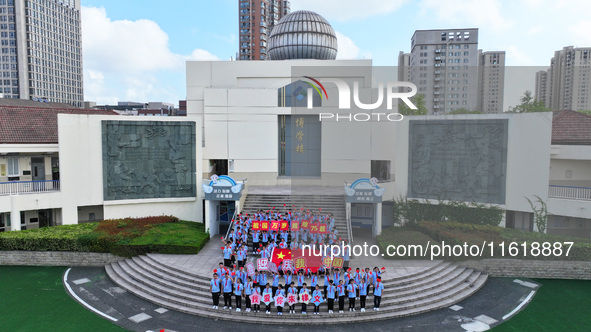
(333, 286)
(235, 250)
(330, 285)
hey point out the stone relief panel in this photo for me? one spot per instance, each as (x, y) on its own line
(461, 160)
(148, 159)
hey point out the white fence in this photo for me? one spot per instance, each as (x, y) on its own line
(566, 192)
(28, 187)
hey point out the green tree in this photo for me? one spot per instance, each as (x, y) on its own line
(419, 101)
(586, 112)
(529, 105)
(464, 111)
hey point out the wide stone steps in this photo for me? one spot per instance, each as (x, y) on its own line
(432, 288)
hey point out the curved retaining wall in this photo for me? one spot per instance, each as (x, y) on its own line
(521, 268)
(56, 258)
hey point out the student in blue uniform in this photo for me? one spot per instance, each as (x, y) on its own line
(242, 275)
(362, 293)
(255, 241)
(336, 277)
(214, 288)
(352, 292)
(220, 270)
(292, 290)
(241, 255)
(314, 279)
(227, 290)
(262, 279)
(287, 276)
(281, 292)
(341, 293)
(304, 290)
(227, 251)
(377, 294)
(248, 289)
(269, 291)
(326, 282)
(238, 290)
(330, 293)
(275, 282)
(255, 278)
(357, 277)
(316, 293)
(256, 307)
(300, 280)
(265, 238)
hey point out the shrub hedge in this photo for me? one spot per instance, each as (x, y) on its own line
(455, 233)
(396, 236)
(123, 237)
(411, 211)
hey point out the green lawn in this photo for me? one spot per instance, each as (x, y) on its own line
(559, 305)
(34, 299)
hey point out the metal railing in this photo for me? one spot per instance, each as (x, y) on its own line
(29, 187)
(566, 192)
(232, 222)
(349, 228)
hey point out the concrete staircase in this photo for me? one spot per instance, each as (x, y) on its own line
(438, 286)
(334, 204)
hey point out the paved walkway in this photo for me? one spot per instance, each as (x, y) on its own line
(210, 256)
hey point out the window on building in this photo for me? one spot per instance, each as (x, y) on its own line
(12, 167)
(380, 169)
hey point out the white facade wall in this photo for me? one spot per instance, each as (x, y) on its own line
(81, 179)
(81, 171)
(238, 102)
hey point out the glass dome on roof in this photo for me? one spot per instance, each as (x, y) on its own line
(303, 35)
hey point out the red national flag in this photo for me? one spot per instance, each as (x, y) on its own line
(278, 255)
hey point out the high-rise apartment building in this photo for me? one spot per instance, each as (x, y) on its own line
(256, 20)
(452, 73)
(41, 50)
(566, 85)
(491, 81)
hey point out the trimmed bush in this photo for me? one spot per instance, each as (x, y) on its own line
(124, 237)
(411, 211)
(396, 236)
(454, 233)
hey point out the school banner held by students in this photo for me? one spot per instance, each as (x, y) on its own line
(275, 225)
(305, 224)
(302, 259)
(256, 225)
(284, 225)
(314, 228)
